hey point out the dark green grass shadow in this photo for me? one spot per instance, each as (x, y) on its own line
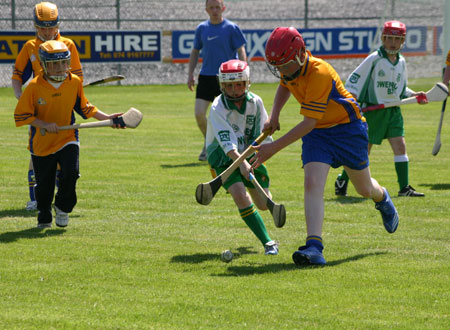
(436, 186)
(197, 164)
(281, 267)
(198, 258)
(17, 213)
(30, 233)
(347, 199)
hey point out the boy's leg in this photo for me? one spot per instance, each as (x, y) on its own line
(315, 178)
(251, 216)
(44, 169)
(66, 197)
(369, 187)
(31, 204)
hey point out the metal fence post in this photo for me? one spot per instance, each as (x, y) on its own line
(306, 14)
(13, 14)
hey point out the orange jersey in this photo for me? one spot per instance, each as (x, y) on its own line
(43, 101)
(27, 62)
(447, 62)
(322, 94)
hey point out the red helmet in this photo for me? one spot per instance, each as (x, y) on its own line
(285, 44)
(394, 28)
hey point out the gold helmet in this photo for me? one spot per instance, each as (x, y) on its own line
(54, 51)
(46, 15)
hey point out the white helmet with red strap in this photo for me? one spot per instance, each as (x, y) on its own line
(232, 71)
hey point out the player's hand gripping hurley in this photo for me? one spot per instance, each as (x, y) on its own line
(131, 119)
(278, 211)
(438, 93)
(205, 191)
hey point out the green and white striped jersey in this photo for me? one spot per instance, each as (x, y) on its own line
(232, 128)
(378, 81)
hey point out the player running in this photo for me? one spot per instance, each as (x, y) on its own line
(333, 132)
(382, 78)
(50, 100)
(27, 65)
(235, 121)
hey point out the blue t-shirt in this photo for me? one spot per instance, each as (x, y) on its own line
(218, 43)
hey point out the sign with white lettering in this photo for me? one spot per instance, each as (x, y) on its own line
(103, 46)
(325, 43)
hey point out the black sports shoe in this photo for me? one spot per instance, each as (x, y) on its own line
(340, 186)
(409, 191)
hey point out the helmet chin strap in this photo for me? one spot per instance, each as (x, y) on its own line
(44, 40)
(238, 98)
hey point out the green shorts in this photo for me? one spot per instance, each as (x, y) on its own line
(384, 124)
(261, 175)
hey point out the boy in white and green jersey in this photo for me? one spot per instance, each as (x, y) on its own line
(382, 78)
(236, 119)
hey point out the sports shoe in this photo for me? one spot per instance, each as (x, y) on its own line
(340, 186)
(308, 255)
(388, 213)
(410, 192)
(44, 225)
(271, 248)
(61, 218)
(202, 157)
(31, 206)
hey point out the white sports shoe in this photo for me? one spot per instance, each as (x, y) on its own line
(31, 206)
(202, 157)
(61, 218)
(271, 248)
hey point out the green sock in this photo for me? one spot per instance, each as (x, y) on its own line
(402, 170)
(344, 176)
(255, 222)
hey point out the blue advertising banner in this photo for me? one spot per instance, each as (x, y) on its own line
(99, 46)
(326, 43)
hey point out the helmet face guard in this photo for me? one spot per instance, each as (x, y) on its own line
(393, 29)
(54, 52)
(284, 47)
(46, 17)
(234, 71)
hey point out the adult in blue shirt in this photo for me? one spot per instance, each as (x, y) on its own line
(219, 40)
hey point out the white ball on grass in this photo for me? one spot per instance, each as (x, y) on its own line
(226, 256)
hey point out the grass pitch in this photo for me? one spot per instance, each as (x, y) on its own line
(140, 253)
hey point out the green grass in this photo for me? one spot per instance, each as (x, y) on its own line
(140, 253)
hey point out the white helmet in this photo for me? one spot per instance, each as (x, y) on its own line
(231, 71)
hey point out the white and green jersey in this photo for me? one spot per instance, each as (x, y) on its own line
(232, 128)
(378, 81)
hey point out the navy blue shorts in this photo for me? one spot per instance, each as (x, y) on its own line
(345, 144)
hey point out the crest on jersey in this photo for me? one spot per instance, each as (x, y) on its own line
(250, 120)
(41, 101)
(381, 73)
(354, 78)
(224, 136)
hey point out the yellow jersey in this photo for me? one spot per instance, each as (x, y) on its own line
(43, 101)
(322, 95)
(27, 62)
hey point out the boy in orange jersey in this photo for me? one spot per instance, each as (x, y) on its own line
(49, 101)
(333, 132)
(46, 22)
(446, 78)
